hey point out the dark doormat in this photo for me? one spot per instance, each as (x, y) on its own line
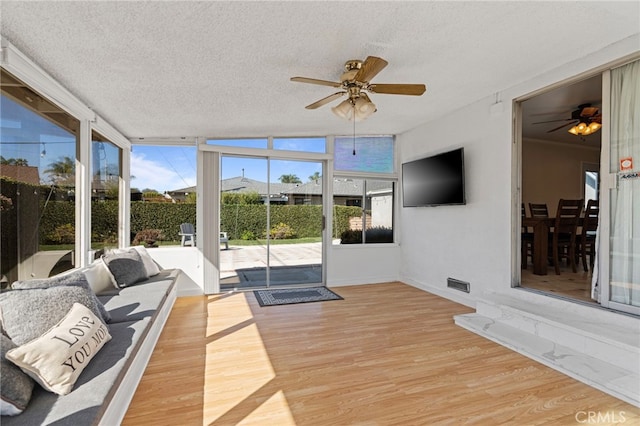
(288, 296)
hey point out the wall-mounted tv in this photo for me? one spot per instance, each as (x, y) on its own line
(434, 181)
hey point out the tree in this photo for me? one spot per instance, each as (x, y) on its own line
(191, 198)
(62, 171)
(289, 179)
(13, 161)
(241, 198)
(315, 176)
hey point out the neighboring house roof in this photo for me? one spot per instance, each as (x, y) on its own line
(26, 174)
(341, 187)
(243, 184)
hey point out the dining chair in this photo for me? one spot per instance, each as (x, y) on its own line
(538, 210)
(587, 240)
(563, 235)
(526, 241)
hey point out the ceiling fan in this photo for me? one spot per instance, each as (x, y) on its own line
(355, 82)
(584, 121)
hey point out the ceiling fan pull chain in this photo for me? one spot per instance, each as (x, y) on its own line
(354, 129)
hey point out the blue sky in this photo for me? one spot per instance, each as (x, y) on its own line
(170, 168)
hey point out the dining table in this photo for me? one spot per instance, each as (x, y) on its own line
(540, 227)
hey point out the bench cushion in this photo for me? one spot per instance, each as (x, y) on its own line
(93, 387)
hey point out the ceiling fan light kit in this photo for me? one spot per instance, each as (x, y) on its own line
(355, 81)
(584, 121)
(584, 129)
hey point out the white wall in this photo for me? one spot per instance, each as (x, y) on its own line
(468, 242)
(189, 259)
(473, 242)
(352, 264)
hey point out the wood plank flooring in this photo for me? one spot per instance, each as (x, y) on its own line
(388, 354)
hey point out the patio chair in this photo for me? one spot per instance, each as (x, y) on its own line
(224, 239)
(188, 234)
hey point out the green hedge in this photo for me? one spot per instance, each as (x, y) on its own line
(164, 216)
(306, 221)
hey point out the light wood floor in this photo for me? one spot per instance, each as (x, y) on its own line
(389, 354)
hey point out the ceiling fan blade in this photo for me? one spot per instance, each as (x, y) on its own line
(398, 89)
(588, 111)
(564, 125)
(370, 68)
(550, 113)
(316, 81)
(554, 121)
(326, 100)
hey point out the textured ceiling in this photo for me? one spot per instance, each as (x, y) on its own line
(222, 69)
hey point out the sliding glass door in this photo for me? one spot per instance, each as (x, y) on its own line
(621, 271)
(271, 213)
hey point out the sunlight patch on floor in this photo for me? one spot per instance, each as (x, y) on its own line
(234, 395)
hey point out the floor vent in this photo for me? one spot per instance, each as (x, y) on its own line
(458, 285)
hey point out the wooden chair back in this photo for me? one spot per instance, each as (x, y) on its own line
(564, 232)
(590, 220)
(568, 216)
(538, 210)
(588, 236)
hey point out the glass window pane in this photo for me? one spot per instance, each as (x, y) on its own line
(362, 211)
(37, 184)
(367, 154)
(241, 143)
(105, 190)
(300, 144)
(163, 193)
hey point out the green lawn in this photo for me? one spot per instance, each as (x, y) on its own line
(264, 242)
(97, 246)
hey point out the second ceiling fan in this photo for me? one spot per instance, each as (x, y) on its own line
(584, 121)
(355, 82)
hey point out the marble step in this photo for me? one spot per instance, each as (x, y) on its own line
(612, 379)
(604, 335)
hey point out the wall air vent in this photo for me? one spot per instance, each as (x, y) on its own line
(458, 285)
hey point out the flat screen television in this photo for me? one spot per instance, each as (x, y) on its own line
(434, 181)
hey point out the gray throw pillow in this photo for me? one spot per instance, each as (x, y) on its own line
(27, 314)
(64, 279)
(75, 278)
(127, 268)
(15, 386)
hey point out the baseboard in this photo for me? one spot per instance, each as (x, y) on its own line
(362, 281)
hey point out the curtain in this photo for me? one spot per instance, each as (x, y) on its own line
(625, 199)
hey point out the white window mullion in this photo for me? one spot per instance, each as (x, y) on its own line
(83, 195)
(124, 198)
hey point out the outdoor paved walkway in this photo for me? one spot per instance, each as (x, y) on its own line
(248, 257)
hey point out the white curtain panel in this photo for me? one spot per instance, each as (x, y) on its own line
(625, 200)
